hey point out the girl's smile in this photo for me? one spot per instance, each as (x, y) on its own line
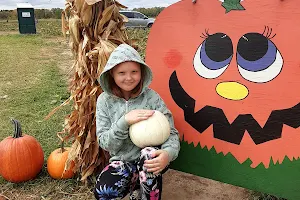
(127, 76)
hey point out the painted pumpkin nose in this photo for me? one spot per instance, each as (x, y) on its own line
(232, 90)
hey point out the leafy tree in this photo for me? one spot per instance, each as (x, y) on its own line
(48, 14)
(13, 14)
(39, 13)
(56, 12)
(4, 14)
(150, 12)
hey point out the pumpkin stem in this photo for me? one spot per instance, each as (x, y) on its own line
(62, 147)
(18, 129)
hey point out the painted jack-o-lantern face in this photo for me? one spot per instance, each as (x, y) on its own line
(231, 79)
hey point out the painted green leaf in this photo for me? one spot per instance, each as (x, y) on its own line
(282, 180)
(230, 5)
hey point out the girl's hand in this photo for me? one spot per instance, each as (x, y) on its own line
(135, 116)
(158, 163)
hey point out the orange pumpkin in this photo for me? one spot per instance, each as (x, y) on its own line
(231, 78)
(21, 156)
(56, 164)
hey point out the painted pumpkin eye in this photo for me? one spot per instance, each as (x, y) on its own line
(213, 55)
(258, 58)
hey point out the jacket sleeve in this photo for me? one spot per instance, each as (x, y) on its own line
(172, 145)
(111, 135)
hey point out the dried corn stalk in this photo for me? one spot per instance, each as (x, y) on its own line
(95, 29)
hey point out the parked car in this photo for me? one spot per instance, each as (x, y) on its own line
(137, 19)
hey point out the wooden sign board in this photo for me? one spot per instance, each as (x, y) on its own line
(230, 73)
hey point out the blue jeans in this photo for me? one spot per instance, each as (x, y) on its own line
(120, 178)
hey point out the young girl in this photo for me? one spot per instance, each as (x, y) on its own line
(126, 100)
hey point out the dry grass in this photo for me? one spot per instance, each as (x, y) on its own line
(44, 187)
(40, 70)
(34, 73)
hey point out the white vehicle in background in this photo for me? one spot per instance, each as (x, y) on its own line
(137, 19)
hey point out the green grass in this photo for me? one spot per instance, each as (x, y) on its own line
(31, 87)
(11, 25)
(141, 35)
(262, 196)
(44, 27)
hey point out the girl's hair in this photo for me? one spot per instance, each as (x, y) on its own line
(116, 90)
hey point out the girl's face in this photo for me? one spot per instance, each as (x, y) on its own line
(127, 76)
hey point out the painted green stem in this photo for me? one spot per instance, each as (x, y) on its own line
(232, 5)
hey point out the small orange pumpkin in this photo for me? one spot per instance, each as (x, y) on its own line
(21, 156)
(57, 161)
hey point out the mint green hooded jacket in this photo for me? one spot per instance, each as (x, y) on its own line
(111, 128)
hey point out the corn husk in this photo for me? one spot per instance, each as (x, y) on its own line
(95, 28)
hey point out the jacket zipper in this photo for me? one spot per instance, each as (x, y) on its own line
(126, 111)
(126, 106)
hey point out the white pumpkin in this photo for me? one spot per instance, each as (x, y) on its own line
(153, 131)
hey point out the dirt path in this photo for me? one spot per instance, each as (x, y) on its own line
(183, 186)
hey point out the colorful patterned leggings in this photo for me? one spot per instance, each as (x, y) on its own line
(120, 178)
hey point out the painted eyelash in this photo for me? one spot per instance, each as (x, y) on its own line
(205, 34)
(268, 32)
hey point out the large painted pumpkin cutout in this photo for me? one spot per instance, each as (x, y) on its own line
(230, 71)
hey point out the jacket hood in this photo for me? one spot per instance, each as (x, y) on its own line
(123, 53)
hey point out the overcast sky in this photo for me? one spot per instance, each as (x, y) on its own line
(12, 4)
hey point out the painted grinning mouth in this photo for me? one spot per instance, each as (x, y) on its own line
(234, 132)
